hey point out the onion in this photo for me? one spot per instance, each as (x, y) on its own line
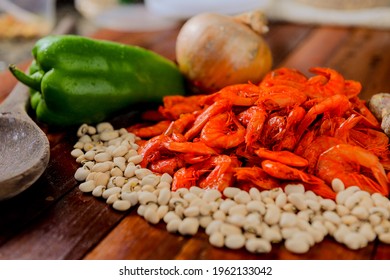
(214, 50)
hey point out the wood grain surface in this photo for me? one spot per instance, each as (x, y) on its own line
(54, 220)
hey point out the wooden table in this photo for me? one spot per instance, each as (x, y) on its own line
(54, 220)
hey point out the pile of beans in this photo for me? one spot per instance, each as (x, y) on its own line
(235, 218)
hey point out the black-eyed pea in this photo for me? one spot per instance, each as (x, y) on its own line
(235, 241)
(384, 237)
(108, 135)
(132, 197)
(78, 145)
(297, 245)
(298, 200)
(189, 226)
(120, 151)
(142, 172)
(81, 174)
(319, 225)
(162, 210)
(268, 200)
(281, 200)
(255, 229)
(238, 209)
(236, 219)
(76, 153)
(173, 225)
(182, 192)
(112, 198)
(192, 211)
(272, 234)
(258, 245)
(87, 186)
(332, 217)
(135, 159)
(337, 185)
(219, 215)
(194, 189)
(130, 170)
(179, 210)
(116, 171)
(381, 211)
(288, 232)
(217, 239)
(120, 162)
(374, 219)
(90, 155)
(305, 214)
(146, 197)
(204, 221)
(85, 139)
(213, 226)
(349, 219)
(147, 188)
(289, 207)
(170, 215)
(81, 159)
(98, 190)
(101, 167)
(211, 195)
(328, 204)
(272, 215)
(104, 126)
(367, 231)
(355, 240)
(226, 205)
(256, 206)
(151, 179)
(255, 194)
(288, 219)
(163, 185)
(205, 209)
(379, 200)
(121, 205)
(342, 210)
(313, 205)
(150, 213)
(242, 197)
(230, 192)
(164, 196)
(294, 188)
(330, 227)
(177, 201)
(115, 190)
(228, 229)
(102, 157)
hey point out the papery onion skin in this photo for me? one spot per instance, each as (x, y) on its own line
(214, 51)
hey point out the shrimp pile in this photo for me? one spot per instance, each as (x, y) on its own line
(287, 129)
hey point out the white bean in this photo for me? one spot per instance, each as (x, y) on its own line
(255, 194)
(288, 219)
(332, 217)
(355, 240)
(98, 191)
(384, 237)
(192, 211)
(294, 188)
(228, 229)
(298, 200)
(151, 215)
(173, 225)
(214, 226)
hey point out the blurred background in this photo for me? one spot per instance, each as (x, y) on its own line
(23, 21)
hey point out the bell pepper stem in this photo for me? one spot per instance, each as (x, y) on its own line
(33, 81)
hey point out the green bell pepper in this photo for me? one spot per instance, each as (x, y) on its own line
(74, 79)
